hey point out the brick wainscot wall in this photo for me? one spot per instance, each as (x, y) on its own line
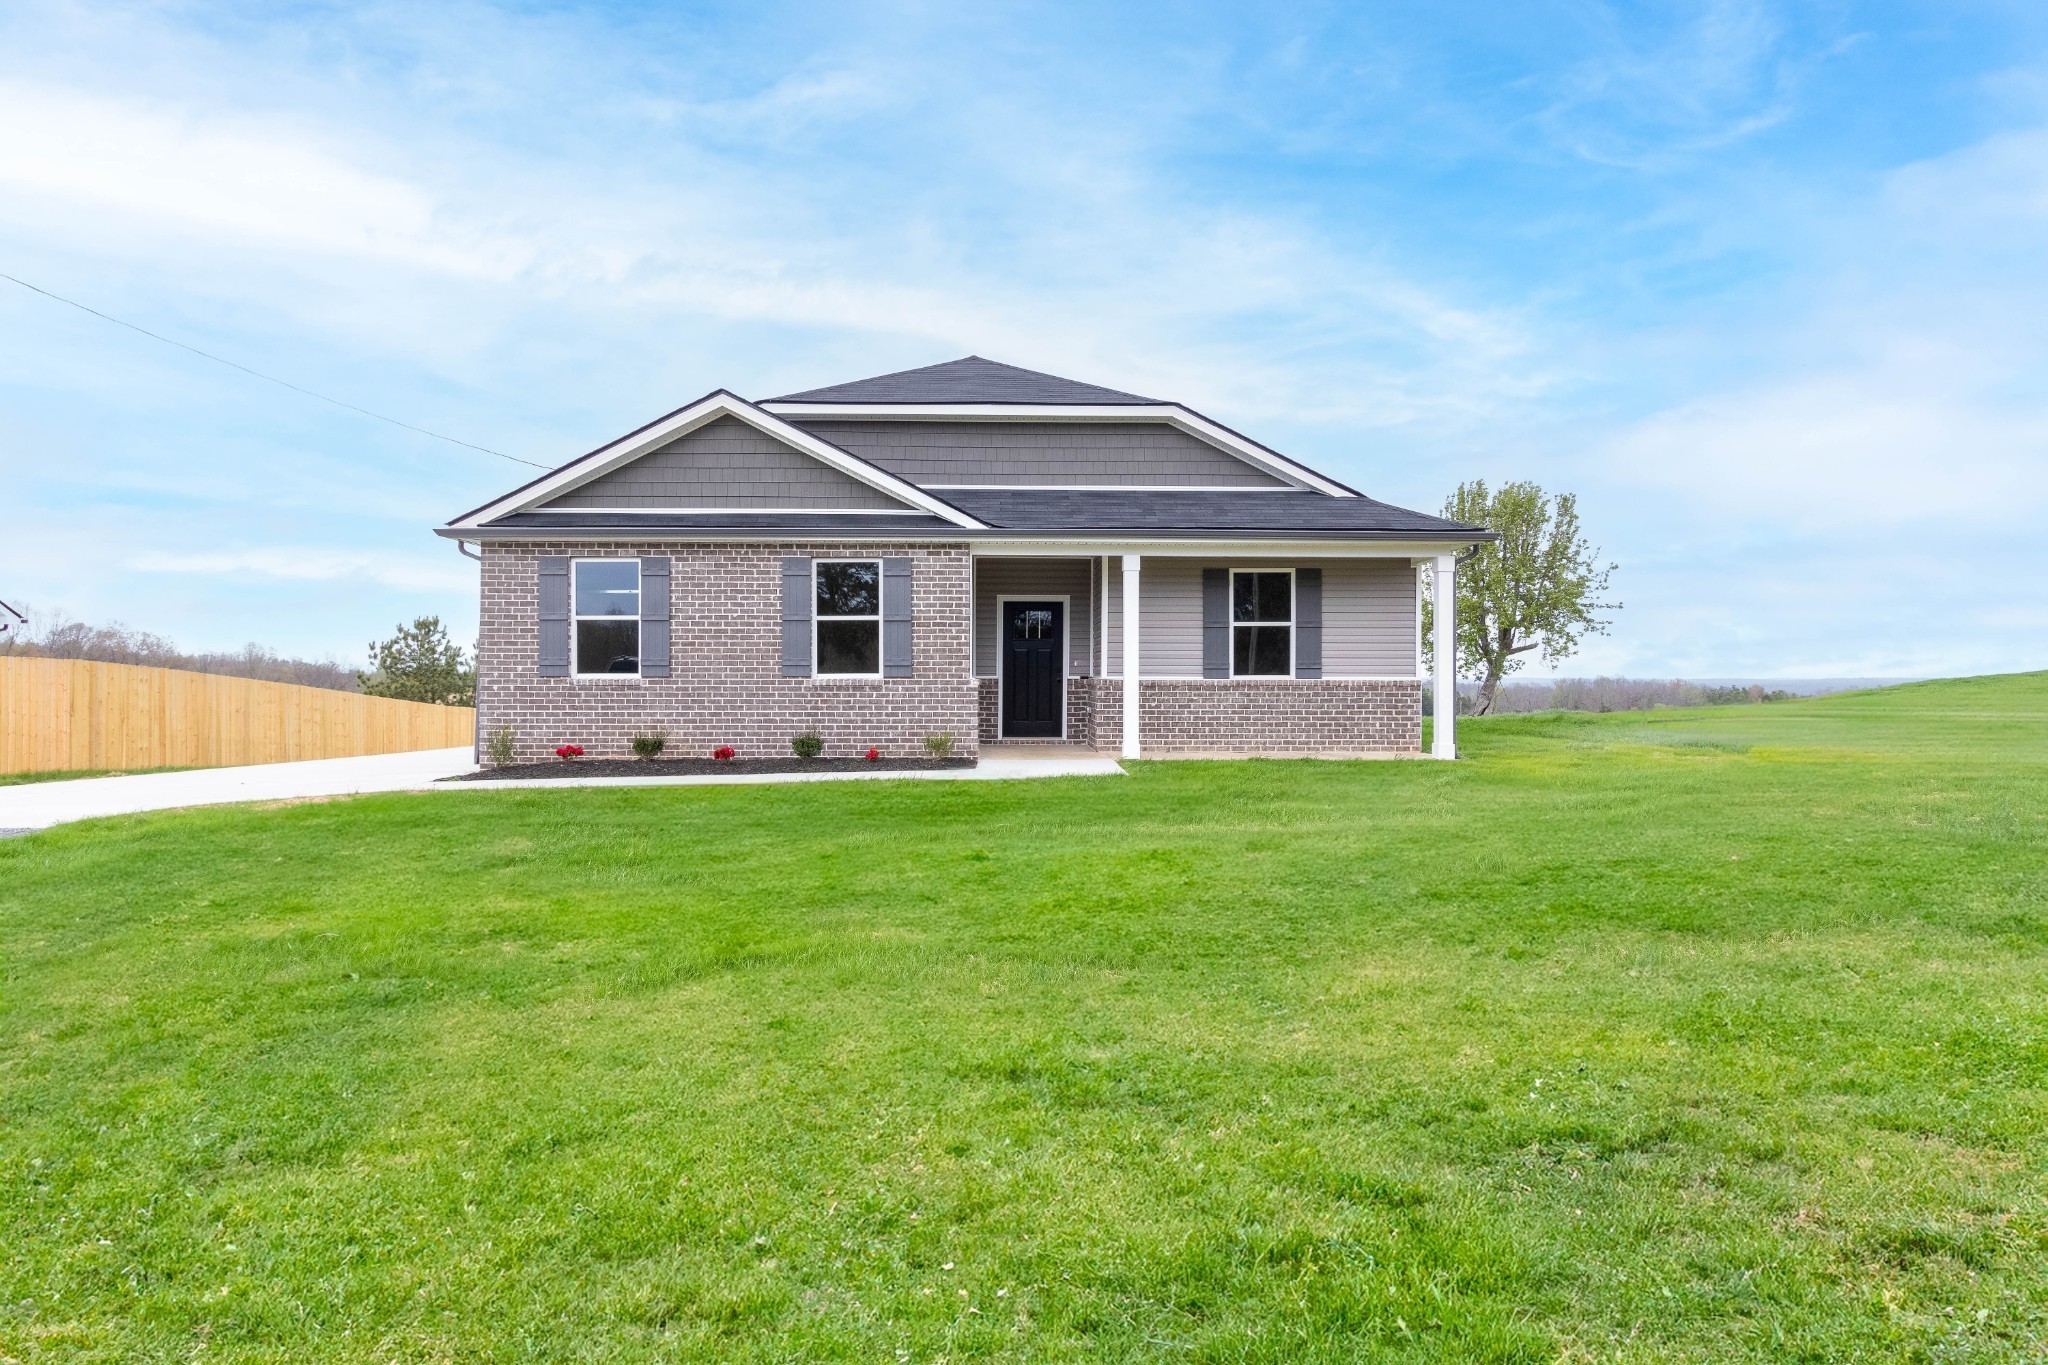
(1277, 717)
(1243, 717)
(726, 684)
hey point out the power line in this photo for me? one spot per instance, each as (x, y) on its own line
(108, 317)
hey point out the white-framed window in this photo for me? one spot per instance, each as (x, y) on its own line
(1262, 623)
(604, 621)
(848, 593)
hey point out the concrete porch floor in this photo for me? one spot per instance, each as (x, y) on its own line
(1041, 748)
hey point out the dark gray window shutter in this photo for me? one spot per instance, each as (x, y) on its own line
(654, 627)
(554, 616)
(896, 618)
(796, 618)
(1308, 623)
(1215, 623)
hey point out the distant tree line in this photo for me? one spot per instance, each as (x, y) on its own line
(416, 664)
(1609, 694)
(53, 636)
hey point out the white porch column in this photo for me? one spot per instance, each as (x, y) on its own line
(1444, 598)
(1130, 660)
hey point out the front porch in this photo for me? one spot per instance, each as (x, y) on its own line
(1251, 655)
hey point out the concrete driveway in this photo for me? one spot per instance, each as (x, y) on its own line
(38, 805)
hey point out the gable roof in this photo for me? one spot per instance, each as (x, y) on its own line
(969, 379)
(718, 403)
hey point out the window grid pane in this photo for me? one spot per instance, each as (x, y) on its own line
(1262, 597)
(851, 589)
(1262, 651)
(608, 587)
(607, 645)
(849, 646)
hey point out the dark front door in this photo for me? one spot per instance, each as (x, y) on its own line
(1034, 669)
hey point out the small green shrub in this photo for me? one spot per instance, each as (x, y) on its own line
(501, 746)
(650, 743)
(939, 745)
(809, 744)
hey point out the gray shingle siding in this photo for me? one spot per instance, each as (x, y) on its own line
(725, 463)
(1041, 453)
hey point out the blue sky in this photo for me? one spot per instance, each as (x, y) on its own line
(1763, 284)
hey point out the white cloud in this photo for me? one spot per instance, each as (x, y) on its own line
(1874, 448)
(409, 573)
(208, 172)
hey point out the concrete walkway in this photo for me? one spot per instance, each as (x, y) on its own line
(38, 805)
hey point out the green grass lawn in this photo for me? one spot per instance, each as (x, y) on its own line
(1693, 1035)
(72, 774)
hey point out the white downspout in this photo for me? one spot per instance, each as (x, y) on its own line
(1130, 659)
(1444, 597)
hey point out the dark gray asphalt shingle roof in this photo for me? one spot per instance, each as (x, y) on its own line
(967, 380)
(1155, 511)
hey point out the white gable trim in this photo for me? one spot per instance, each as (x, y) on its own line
(1185, 419)
(686, 420)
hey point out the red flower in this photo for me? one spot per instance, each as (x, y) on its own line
(874, 755)
(569, 751)
(723, 753)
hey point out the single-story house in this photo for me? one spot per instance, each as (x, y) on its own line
(968, 548)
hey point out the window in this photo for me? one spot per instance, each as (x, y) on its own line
(849, 616)
(606, 598)
(1262, 623)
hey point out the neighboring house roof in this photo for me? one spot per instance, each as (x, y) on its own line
(969, 379)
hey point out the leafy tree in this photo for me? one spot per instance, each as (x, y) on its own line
(1534, 589)
(419, 664)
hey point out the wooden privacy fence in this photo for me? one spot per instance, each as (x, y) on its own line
(69, 713)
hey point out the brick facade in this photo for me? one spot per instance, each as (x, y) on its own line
(726, 685)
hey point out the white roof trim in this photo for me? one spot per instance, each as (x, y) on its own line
(1186, 419)
(685, 420)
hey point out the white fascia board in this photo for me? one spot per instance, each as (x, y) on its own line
(1188, 420)
(681, 423)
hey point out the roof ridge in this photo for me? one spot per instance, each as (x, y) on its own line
(968, 379)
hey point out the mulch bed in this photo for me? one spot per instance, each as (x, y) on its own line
(700, 767)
